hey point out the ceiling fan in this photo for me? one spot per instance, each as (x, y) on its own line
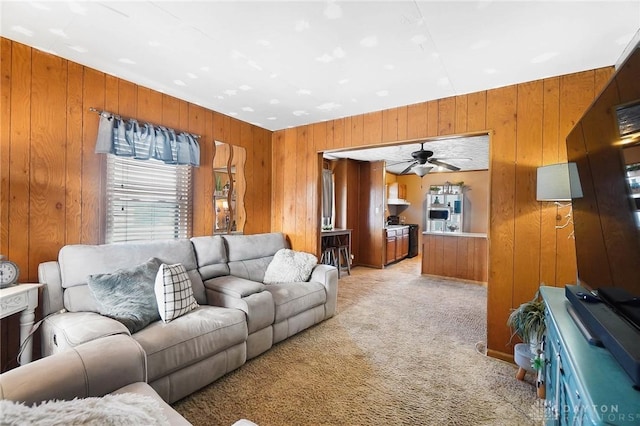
(421, 158)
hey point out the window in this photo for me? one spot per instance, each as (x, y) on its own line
(147, 199)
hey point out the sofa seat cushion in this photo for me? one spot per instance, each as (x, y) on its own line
(234, 286)
(199, 334)
(292, 298)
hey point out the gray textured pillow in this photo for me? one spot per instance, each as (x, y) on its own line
(127, 295)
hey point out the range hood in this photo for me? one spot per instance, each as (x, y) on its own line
(398, 202)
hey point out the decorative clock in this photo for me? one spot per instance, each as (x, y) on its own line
(9, 272)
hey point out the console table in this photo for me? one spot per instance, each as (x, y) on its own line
(21, 298)
(584, 383)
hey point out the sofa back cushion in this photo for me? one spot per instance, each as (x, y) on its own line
(211, 255)
(250, 255)
(79, 261)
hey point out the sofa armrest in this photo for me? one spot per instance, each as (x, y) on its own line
(145, 389)
(327, 275)
(67, 330)
(52, 299)
(233, 286)
(91, 369)
(248, 296)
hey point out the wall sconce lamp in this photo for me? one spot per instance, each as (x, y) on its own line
(557, 183)
(421, 169)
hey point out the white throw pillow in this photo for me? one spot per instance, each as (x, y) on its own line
(173, 292)
(290, 266)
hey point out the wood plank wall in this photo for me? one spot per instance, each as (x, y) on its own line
(52, 179)
(528, 124)
(458, 257)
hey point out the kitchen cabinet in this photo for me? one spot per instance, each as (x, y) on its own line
(397, 197)
(402, 244)
(397, 190)
(397, 243)
(390, 238)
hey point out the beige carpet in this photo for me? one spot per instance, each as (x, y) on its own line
(403, 349)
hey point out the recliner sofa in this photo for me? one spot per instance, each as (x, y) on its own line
(84, 372)
(239, 316)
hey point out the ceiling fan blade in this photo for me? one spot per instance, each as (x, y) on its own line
(394, 163)
(409, 167)
(453, 158)
(445, 165)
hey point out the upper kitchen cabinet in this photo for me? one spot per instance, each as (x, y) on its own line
(230, 187)
(397, 194)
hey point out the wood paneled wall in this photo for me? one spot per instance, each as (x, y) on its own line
(528, 124)
(347, 182)
(452, 256)
(51, 178)
(370, 240)
(51, 181)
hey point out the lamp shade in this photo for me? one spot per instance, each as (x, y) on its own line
(558, 182)
(421, 169)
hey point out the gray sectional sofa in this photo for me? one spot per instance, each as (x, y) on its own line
(84, 372)
(238, 318)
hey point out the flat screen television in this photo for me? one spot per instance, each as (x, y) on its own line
(605, 145)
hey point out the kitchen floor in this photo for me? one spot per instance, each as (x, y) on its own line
(408, 265)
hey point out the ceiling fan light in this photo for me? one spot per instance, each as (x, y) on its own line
(421, 169)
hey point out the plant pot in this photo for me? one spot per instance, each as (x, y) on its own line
(522, 355)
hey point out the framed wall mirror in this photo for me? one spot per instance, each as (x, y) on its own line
(229, 188)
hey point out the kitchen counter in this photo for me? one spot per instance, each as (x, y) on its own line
(457, 234)
(455, 254)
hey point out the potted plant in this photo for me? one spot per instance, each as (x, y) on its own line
(527, 321)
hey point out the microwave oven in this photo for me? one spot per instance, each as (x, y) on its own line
(439, 214)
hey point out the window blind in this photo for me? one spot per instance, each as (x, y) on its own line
(147, 200)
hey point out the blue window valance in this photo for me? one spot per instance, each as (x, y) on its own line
(143, 141)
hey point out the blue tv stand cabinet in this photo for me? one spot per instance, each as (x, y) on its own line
(585, 385)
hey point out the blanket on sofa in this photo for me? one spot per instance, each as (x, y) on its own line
(113, 410)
